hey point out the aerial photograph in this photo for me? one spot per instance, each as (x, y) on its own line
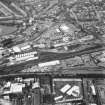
(52, 52)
